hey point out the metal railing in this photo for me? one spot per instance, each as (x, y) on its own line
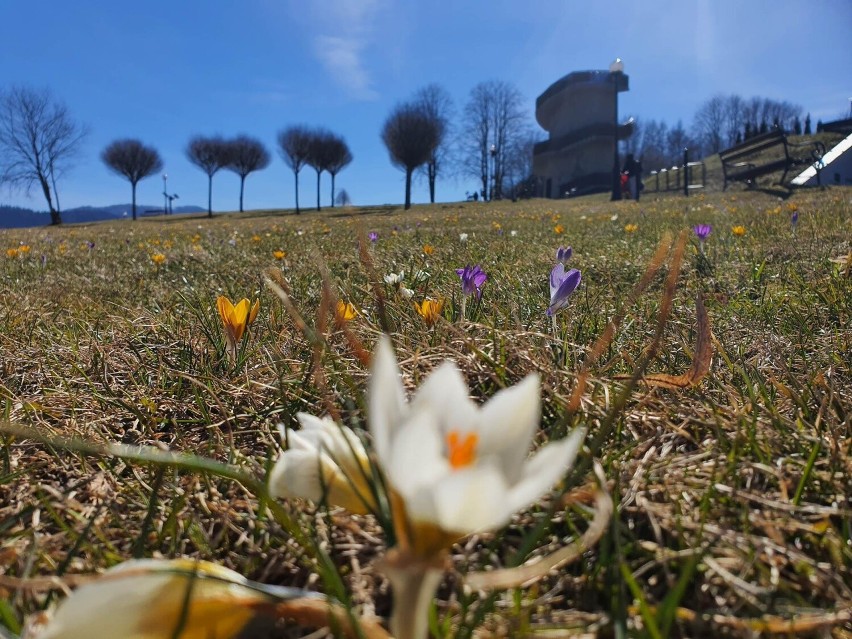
(679, 178)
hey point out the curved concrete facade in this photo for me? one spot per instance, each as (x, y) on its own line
(579, 112)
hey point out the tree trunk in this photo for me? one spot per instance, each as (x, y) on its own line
(408, 189)
(296, 173)
(209, 196)
(242, 188)
(431, 168)
(332, 190)
(133, 190)
(319, 172)
(55, 217)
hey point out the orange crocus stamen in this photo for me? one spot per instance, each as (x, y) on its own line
(461, 449)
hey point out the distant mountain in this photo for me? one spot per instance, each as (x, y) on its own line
(13, 217)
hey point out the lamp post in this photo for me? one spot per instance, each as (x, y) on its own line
(493, 170)
(615, 69)
(165, 195)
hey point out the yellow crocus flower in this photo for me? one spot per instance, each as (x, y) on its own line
(430, 310)
(343, 312)
(236, 318)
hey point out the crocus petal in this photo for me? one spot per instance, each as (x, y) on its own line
(387, 398)
(544, 469)
(254, 310)
(297, 474)
(559, 298)
(445, 394)
(471, 500)
(417, 455)
(507, 423)
(146, 599)
(556, 277)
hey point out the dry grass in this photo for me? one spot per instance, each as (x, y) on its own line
(733, 495)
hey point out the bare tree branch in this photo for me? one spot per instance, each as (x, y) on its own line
(246, 155)
(294, 146)
(133, 160)
(38, 142)
(210, 155)
(411, 137)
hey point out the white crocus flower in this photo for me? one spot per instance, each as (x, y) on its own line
(394, 278)
(324, 460)
(463, 237)
(147, 599)
(455, 467)
(406, 293)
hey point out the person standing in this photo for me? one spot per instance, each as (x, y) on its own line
(633, 169)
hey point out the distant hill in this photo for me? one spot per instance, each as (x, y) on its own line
(12, 217)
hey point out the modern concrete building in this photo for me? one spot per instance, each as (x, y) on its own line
(580, 112)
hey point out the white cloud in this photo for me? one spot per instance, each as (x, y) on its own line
(341, 33)
(342, 58)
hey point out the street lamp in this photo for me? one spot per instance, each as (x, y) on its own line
(165, 195)
(493, 170)
(615, 71)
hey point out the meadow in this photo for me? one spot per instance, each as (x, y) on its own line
(714, 382)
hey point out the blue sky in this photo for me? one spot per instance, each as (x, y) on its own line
(164, 71)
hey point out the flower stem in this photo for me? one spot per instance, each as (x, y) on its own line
(414, 581)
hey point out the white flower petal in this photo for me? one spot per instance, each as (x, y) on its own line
(445, 394)
(417, 455)
(145, 599)
(544, 469)
(507, 423)
(297, 474)
(471, 500)
(339, 442)
(387, 398)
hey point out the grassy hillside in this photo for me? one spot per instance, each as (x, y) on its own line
(732, 496)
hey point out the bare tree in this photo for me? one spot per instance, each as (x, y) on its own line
(653, 148)
(338, 157)
(294, 146)
(210, 155)
(734, 118)
(710, 122)
(246, 155)
(438, 105)
(493, 118)
(343, 198)
(319, 156)
(518, 178)
(38, 142)
(410, 136)
(677, 139)
(133, 160)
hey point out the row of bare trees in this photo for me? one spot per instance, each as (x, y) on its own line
(720, 122)
(318, 148)
(244, 155)
(492, 142)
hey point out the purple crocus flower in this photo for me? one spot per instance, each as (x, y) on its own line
(374, 237)
(562, 284)
(563, 254)
(91, 245)
(794, 219)
(702, 231)
(472, 278)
